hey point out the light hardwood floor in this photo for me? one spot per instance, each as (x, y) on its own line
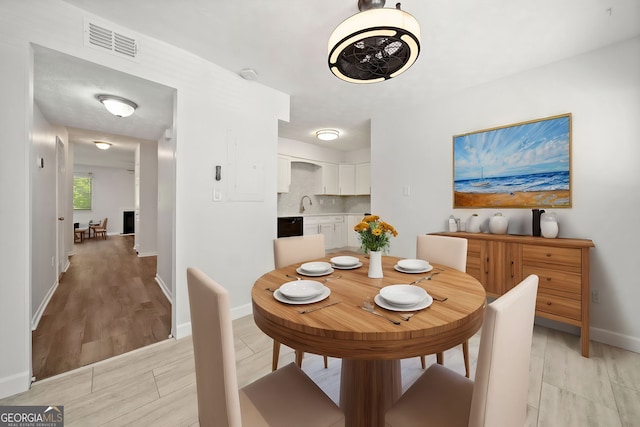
(155, 385)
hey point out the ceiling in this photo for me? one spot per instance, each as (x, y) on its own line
(464, 43)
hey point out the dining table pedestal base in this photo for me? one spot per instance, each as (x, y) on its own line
(368, 388)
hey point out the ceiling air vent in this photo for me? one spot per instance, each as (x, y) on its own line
(99, 36)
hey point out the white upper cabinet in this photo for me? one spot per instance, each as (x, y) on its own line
(284, 174)
(330, 179)
(347, 175)
(363, 178)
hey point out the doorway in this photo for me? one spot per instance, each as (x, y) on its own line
(57, 79)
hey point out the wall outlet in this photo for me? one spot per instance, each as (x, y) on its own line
(595, 296)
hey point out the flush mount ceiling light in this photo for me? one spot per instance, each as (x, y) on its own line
(374, 45)
(327, 134)
(103, 145)
(117, 106)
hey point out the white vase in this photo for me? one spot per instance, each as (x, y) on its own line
(473, 225)
(375, 264)
(549, 225)
(498, 224)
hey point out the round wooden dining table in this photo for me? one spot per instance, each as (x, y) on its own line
(370, 346)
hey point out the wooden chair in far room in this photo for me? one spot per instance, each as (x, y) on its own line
(78, 233)
(287, 397)
(452, 252)
(498, 396)
(290, 250)
(100, 230)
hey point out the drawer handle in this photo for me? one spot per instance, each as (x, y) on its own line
(548, 279)
(549, 255)
(548, 302)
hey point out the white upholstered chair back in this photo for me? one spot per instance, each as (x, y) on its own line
(445, 250)
(290, 250)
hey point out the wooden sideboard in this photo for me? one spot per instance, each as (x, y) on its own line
(501, 261)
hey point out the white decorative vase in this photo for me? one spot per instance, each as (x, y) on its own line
(498, 224)
(375, 264)
(549, 225)
(473, 225)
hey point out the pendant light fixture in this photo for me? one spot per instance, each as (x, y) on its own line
(117, 106)
(374, 45)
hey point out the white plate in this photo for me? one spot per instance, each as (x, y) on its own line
(421, 305)
(348, 267)
(301, 289)
(315, 267)
(345, 261)
(413, 264)
(402, 270)
(299, 270)
(403, 295)
(324, 294)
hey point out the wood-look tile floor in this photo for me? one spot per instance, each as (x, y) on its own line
(107, 303)
(155, 385)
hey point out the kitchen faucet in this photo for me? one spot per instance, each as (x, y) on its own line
(302, 203)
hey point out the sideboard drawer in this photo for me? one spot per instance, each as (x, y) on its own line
(558, 306)
(569, 258)
(555, 281)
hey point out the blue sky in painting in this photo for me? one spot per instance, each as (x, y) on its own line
(525, 149)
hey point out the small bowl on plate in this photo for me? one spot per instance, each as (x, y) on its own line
(301, 289)
(413, 264)
(315, 267)
(345, 261)
(403, 295)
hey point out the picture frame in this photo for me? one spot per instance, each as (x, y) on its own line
(521, 165)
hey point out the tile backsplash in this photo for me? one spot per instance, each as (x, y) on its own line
(306, 180)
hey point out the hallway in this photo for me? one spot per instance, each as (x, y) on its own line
(107, 303)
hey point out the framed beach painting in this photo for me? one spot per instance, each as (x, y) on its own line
(523, 165)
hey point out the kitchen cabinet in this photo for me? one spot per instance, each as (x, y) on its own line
(284, 174)
(352, 236)
(347, 177)
(363, 178)
(330, 179)
(501, 261)
(332, 226)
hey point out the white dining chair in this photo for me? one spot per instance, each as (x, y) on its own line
(451, 252)
(498, 397)
(287, 397)
(291, 250)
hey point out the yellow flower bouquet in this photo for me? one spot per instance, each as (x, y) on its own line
(374, 233)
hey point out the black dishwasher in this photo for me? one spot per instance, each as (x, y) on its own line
(290, 226)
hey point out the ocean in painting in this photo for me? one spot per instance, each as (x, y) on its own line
(545, 181)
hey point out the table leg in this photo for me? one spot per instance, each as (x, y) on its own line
(368, 388)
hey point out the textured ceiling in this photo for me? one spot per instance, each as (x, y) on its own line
(464, 43)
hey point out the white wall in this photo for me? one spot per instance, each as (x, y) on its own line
(113, 193)
(214, 106)
(147, 220)
(602, 91)
(43, 196)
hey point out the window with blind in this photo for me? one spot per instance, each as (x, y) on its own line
(82, 187)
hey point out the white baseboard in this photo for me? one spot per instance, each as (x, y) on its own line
(184, 329)
(145, 254)
(14, 384)
(243, 310)
(35, 319)
(615, 339)
(165, 290)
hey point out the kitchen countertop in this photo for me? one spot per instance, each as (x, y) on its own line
(320, 214)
